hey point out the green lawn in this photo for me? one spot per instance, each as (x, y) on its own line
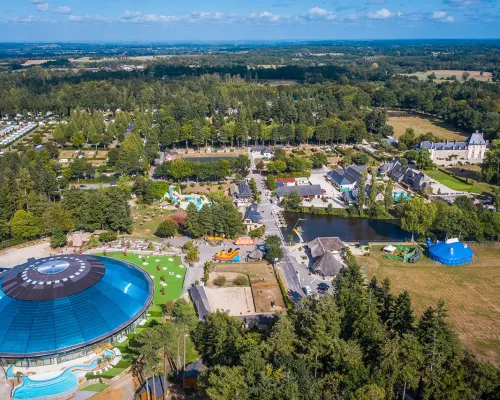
(453, 183)
(97, 387)
(174, 275)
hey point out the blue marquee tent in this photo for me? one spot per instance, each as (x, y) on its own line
(451, 252)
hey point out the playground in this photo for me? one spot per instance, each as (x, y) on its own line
(228, 255)
(167, 273)
(401, 253)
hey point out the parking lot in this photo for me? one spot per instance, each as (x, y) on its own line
(332, 194)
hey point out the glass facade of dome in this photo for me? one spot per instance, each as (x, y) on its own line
(53, 307)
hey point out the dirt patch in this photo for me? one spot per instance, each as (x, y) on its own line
(265, 287)
(401, 121)
(234, 300)
(471, 293)
(206, 188)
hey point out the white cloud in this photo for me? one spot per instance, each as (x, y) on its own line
(383, 13)
(42, 7)
(442, 16)
(266, 16)
(63, 10)
(140, 18)
(87, 17)
(36, 1)
(438, 15)
(375, 2)
(317, 13)
(26, 20)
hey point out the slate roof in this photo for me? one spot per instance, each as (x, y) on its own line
(475, 139)
(242, 191)
(327, 265)
(252, 214)
(338, 176)
(354, 173)
(309, 190)
(194, 369)
(443, 145)
(200, 300)
(384, 168)
(322, 245)
(262, 149)
(155, 385)
(256, 254)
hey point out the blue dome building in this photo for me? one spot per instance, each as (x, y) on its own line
(57, 309)
(451, 252)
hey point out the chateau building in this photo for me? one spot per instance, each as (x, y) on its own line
(471, 151)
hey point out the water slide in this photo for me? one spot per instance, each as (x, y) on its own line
(232, 256)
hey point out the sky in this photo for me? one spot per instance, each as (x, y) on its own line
(234, 20)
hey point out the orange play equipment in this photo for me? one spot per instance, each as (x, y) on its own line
(230, 255)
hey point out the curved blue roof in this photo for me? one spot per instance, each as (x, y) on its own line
(57, 315)
(451, 252)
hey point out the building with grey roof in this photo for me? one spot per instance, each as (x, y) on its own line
(470, 151)
(324, 251)
(310, 191)
(200, 301)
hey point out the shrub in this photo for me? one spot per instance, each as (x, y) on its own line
(167, 228)
(108, 236)
(240, 281)
(220, 280)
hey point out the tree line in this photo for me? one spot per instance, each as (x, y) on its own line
(364, 342)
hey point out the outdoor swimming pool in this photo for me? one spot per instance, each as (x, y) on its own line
(66, 381)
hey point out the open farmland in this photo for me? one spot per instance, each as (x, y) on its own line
(471, 293)
(402, 121)
(442, 74)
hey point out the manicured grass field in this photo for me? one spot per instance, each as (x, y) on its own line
(450, 181)
(174, 274)
(471, 293)
(97, 387)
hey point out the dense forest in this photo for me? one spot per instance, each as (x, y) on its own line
(363, 343)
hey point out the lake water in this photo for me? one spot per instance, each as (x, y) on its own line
(207, 159)
(347, 229)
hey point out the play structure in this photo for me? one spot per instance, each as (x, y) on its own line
(402, 253)
(450, 252)
(214, 240)
(229, 255)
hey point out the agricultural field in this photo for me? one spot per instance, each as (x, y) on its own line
(442, 74)
(471, 293)
(265, 287)
(422, 125)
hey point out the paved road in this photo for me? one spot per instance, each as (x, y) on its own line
(287, 265)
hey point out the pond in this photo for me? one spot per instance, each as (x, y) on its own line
(347, 229)
(207, 159)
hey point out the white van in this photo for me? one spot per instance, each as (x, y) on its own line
(307, 290)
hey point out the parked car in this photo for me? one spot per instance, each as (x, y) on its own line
(83, 186)
(307, 290)
(323, 286)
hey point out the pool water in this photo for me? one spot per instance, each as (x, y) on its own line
(66, 381)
